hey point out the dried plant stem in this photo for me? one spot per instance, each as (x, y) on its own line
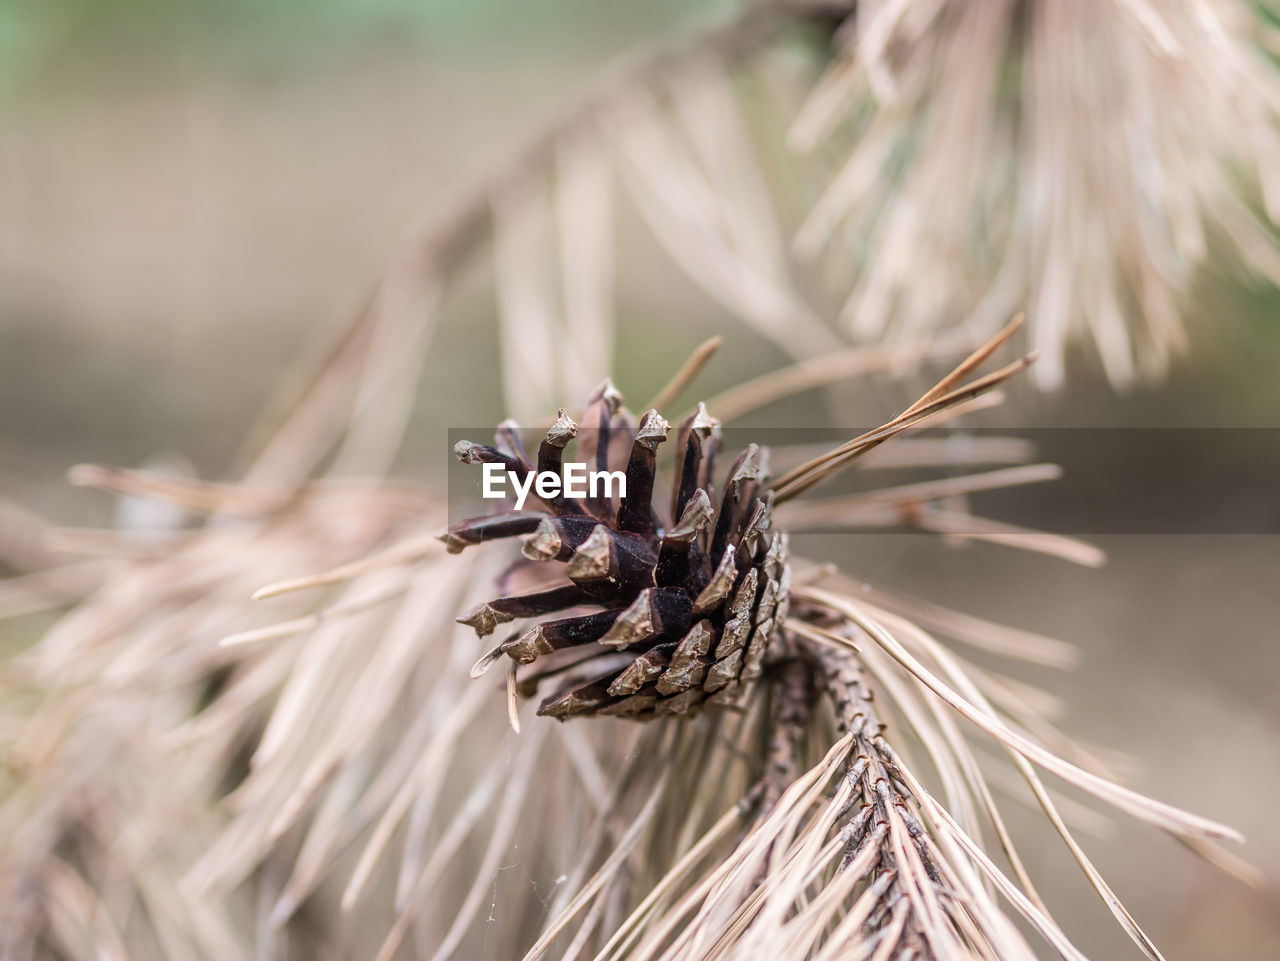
(1136, 804)
(443, 243)
(685, 375)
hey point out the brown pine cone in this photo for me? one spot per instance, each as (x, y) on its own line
(669, 614)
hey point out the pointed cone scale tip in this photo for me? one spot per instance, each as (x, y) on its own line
(749, 469)
(633, 624)
(757, 525)
(652, 431)
(566, 705)
(702, 421)
(724, 671)
(562, 431)
(528, 646)
(697, 642)
(544, 543)
(695, 516)
(484, 619)
(610, 395)
(629, 681)
(745, 596)
(718, 587)
(452, 542)
(591, 560)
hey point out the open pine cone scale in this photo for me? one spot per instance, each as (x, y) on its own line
(667, 612)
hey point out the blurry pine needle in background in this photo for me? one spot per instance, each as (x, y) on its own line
(255, 735)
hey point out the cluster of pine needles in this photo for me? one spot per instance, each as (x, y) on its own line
(314, 773)
(332, 782)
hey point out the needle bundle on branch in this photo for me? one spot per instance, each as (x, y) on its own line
(190, 773)
(690, 609)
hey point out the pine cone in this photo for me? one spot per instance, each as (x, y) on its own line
(670, 614)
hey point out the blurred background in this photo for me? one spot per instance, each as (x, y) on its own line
(194, 198)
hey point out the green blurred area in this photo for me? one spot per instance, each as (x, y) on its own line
(34, 31)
